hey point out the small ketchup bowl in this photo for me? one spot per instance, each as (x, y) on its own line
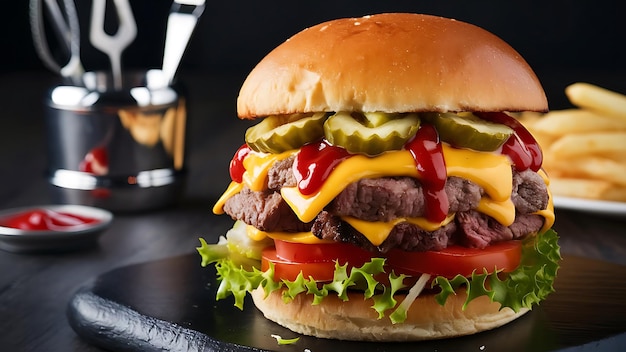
(51, 228)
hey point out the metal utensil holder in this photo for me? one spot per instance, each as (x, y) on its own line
(118, 149)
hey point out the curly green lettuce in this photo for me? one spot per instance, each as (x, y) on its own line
(524, 287)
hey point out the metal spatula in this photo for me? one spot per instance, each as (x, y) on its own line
(113, 45)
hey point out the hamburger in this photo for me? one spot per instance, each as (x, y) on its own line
(388, 193)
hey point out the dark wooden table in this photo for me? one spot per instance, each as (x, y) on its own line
(35, 289)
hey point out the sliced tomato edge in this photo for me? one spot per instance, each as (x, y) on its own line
(452, 252)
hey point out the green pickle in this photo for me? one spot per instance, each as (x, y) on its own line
(466, 130)
(280, 133)
(370, 133)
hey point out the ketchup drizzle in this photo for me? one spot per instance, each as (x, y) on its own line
(236, 168)
(522, 148)
(314, 163)
(427, 152)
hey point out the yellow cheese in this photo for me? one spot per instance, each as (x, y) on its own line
(298, 237)
(350, 170)
(543, 175)
(503, 212)
(255, 234)
(548, 214)
(490, 171)
(257, 166)
(377, 232)
(233, 188)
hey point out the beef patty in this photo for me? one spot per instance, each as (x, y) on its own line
(388, 198)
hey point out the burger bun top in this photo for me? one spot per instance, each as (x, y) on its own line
(395, 62)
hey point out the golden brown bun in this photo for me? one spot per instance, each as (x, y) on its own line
(393, 63)
(356, 320)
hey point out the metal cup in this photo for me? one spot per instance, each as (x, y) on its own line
(121, 150)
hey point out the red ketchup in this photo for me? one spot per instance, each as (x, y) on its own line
(426, 149)
(46, 219)
(95, 162)
(314, 163)
(236, 164)
(521, 148)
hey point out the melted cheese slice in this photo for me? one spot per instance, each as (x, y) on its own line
(377, 232)
(298, 237)
(233, 188)
(548, 215)
(257, 166)
(503, 212)
(490, 171)
(548, 212)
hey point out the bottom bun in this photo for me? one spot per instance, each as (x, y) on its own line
(356, 320)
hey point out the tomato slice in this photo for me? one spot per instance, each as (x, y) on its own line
(318, 260)
(315, 260)
(455, 260)
(322, 252)
(289, 270)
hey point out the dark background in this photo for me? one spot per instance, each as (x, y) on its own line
(564, 41)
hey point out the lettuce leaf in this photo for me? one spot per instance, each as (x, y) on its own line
(529, 284)
(282, 341)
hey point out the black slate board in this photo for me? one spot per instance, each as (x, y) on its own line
(169, 305)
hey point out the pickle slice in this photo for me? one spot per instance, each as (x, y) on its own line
(280, 133)
(370, 133)
(466, 130)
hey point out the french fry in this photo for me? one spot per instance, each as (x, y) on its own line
(615, 193)
(530, 120)
(595, 168)
(606, 169)
(543, 139)
(617, 157)
(588, 144)
(585, 147)
(563, 122)
(595, 98)
(579, 188)
(528, 117)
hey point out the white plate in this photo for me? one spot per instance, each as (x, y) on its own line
(591, 206)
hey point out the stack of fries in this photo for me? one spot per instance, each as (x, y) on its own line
(585, 147)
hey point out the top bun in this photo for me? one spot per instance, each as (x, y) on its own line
(396, 62)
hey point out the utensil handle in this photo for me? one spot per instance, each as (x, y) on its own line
(113, 45)
(184, 16)
(67, 33)
(179, 29)
(60, 27)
